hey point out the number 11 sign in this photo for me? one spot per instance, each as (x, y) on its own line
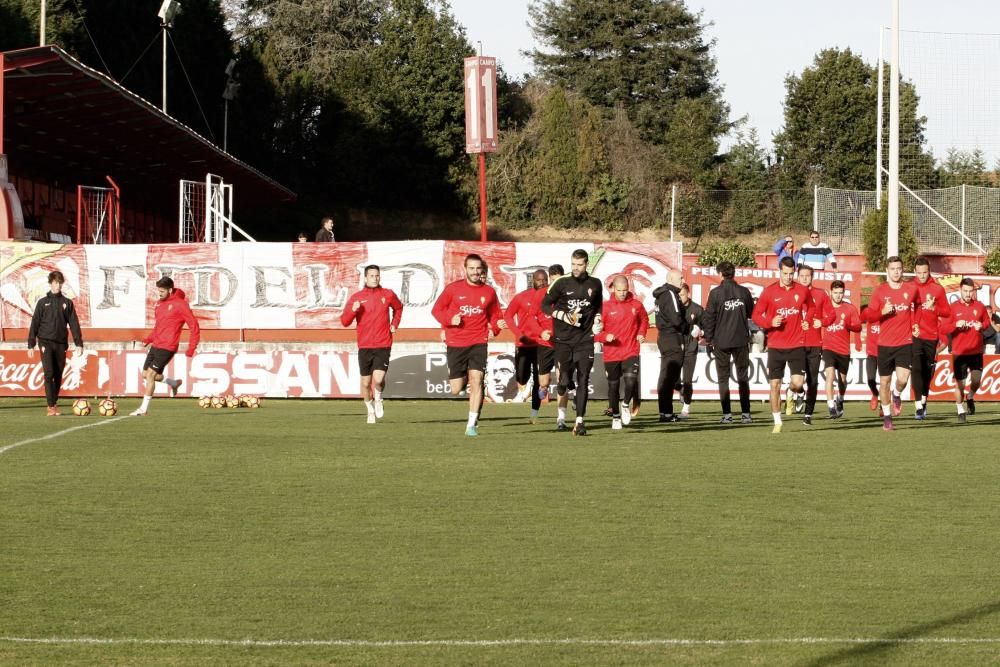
(480, 105)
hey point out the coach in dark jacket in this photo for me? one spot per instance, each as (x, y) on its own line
(693, 327)
(54, 313)
(727, 330)
(670, 327)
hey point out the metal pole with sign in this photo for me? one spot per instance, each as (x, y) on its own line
(481, 120)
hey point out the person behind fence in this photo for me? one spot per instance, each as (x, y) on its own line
(727, 331)
(670, 327)
(325, 233)
(303, 237)
(815, 254)
(785, 247)
(54, 313)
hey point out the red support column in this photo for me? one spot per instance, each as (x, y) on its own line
(482, 197)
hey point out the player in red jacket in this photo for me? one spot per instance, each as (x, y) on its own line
(932, 310)
(969, 318)
(820, 316)
(783, 311)
(625, 323)
(470, 313)
(378, 311)
(172, 312)
(892, 304)
(538, 327)
(871, 330)
(837, 347)
(520, 311)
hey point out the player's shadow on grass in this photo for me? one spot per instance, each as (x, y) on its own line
(904, 637)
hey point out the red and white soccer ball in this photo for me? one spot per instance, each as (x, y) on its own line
(252, 401)
(232, 401)
(107, 408)
(205, 402)
(81, 407)
(217, 402)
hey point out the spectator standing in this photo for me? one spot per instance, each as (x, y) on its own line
(325, 233)
(815, 254)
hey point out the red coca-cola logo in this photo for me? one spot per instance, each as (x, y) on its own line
(943, 382)
(22, 377)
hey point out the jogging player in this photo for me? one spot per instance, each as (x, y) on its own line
(377, 311)
(54, 313)
(837, 347)
(969, 318)
(892, 304)
(170, 315)
(520, 311)
(625, 324)
(783, 311)
(871, 330)
(727, 332)
(469, 311)
(931, 312)
(821, 315)
(575, 302)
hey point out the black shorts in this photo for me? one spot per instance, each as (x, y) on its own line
(778, 359)
(842, 362)
(891, 358)
(157, 359)
(926, 349)
(524, 359)
(372, 359)
(546, 359)
(570, 355)
(965, 363)
(616, 369)
(461, 360)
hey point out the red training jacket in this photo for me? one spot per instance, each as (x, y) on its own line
(792, 303)
(478, 307)
(536, 323)
(625, 320)
(968, 339)
(170, 316)
(822, 310)
(837, 335)
(518, 312)
(871, 344)
(930, 313)
(897, 326)
(373, 316)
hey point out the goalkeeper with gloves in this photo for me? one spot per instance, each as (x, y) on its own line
(575, 303)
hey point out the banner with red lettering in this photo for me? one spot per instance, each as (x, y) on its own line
(417, 370)
(291, 285)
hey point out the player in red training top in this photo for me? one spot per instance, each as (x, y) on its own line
(625, 324)
(969, 319)
(821, 315)
(870, 332)
(783, 311)
(378, 311)
(931, 311)
(837, 347)
(172, 312)
(469, 311)
(520, 311)
(538, 327)
(892, 304)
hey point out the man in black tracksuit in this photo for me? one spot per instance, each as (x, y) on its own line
(670, 327)
(53, 313)
(574, 302)
(727, 330)
(693, 314)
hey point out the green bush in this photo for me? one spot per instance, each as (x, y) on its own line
(732, 251)
(992, 264)
(875, 238)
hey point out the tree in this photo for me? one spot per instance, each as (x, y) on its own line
(745, 172)
(875, 237)
(645, 55)
(19, 24)
(690, 142)
(964, 168)
(554, 179)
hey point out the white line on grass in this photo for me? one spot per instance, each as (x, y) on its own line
(396, 643)
(7, 448)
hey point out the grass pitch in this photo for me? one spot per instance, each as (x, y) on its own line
(297, 534)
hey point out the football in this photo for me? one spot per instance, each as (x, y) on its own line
(252, 401)
(232, 401)
(244, 400)
(217, 402)
(81, 407)
(107, 408)
(205, 402)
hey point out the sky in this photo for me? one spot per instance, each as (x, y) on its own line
(758, 43)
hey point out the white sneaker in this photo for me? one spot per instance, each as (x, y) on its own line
(616, 424)
(379, 408)
(371, 417)
(138, 413)
(174, 386)
(626, 414)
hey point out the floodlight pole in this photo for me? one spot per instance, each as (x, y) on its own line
(893, 235)
(163, 105)
(878, 120)
(41, 26)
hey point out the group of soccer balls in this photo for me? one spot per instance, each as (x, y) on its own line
(229, 401)
(106, 407)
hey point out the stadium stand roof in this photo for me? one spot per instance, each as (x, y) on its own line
(61, 118)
